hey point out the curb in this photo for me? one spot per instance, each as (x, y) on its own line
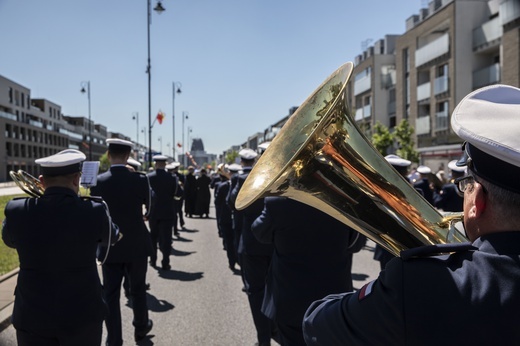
(8, 275)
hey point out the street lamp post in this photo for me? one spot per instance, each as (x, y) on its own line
(184, 116)
(87, 90)
(143, 130)
(160, 140)
(159, 9)
(176, 88)
(135, 116)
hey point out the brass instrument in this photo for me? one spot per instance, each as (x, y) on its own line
(29, 184)
(321, 158)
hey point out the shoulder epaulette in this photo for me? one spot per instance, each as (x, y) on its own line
(434, 250)
(98, 199)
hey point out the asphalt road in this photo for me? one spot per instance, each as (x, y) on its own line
(200, 302)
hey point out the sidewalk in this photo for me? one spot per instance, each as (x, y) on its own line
(7, 285)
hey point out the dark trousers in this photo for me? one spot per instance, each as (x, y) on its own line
(228, 236)
(85, 335)
(291, 334)
(161, 232)
(178, 211)
(112, 277)
(254, 269)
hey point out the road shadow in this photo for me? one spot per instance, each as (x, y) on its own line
(181, 253)
(180, 275)
(147, 341)
(182, 239)
(188, 230)
(359, 277)
(154, 304)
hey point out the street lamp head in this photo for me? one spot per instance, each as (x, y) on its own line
(159, 8)
(83, 90)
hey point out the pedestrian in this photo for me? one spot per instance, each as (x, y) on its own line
(448, 198)
(163, 217)
(450, 294)
(190, 192)
(203, 194)
(58, 295)
(126, 193)
(255, 257)
(312, 258)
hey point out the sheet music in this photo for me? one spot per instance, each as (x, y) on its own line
(89, 173)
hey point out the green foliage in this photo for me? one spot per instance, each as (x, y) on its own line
(8, 256)
(382, 139)
(104, 164)
(230, 157)
(403, 135)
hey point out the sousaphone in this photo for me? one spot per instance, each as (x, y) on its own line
(321, 158)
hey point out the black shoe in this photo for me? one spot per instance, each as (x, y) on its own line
(166, 267)
(153, 263)
(139, 334)
(176, 233)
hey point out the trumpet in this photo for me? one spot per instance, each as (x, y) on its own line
(321, 158)
(28, 183)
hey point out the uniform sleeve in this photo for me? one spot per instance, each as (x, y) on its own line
(371, 316)
(263, 226)
(110, 231)
(7, 235)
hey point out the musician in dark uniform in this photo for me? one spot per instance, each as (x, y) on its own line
(235, 170)
(58, 296)
(179, 201)
(225, 218)
(163, 216)
(255, 256)
(305, 265)
(448, 198)
(125, 193)
(423, 183)
(401, 166)
(190, 192)
(462, 294)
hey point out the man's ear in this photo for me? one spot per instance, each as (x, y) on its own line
(480, 199)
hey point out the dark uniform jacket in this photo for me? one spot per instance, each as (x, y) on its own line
(56, 237)
(165, 187)
(125, 193)
(448, 199)
(244, 219)
(312, 256)
(424, 185)
(471, 297)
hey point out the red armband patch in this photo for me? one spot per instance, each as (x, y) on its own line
(366, 290)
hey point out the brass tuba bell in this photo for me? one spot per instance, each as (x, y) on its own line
(321, 158)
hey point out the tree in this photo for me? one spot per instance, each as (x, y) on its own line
(382, 139)
(403, 136)
(231, 156)
(104, 164)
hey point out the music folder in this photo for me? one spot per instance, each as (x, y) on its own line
(89, 173)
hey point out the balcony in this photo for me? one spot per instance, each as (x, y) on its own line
(36, 123)
(488, 32)
(423, 91)
(486, 76)
(441, 121)
(8, 116)
(422, 125)
(432, 50)
(440, 85)
(363, 113)
(509, 11)
(363, 84)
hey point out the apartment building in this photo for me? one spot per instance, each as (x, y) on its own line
(449, 49)
(35, 128)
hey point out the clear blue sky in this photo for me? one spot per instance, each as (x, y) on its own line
(242, 63)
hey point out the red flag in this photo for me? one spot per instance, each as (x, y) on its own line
(160, 117)
(179, 145)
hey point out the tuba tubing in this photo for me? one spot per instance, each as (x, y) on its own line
(28, 183)
(321, 158)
